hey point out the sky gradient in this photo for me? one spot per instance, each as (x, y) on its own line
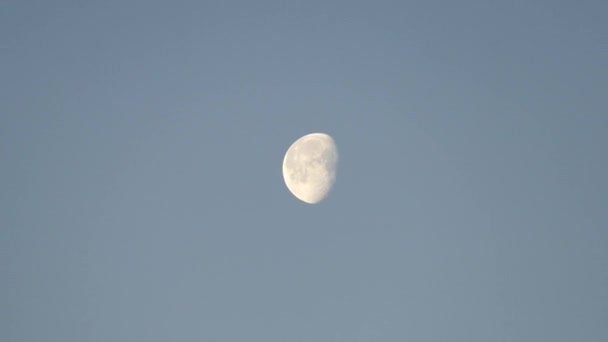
(142, 199)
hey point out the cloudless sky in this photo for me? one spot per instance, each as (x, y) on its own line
(141, 195)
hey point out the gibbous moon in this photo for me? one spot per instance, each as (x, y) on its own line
(309, 167)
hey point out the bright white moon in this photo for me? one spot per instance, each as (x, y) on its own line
(309, 167)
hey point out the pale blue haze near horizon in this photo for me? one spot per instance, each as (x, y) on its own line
(141, 196)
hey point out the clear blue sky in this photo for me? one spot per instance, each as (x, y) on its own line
(141, 195)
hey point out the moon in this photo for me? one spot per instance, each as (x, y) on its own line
(309, 167)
